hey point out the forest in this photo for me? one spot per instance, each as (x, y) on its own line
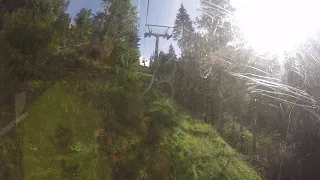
(77, 103)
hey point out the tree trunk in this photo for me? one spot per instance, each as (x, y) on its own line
(236, 112)
(221, 117)
(234, 140)
(242, 142)
(254, 125)
(254, 136)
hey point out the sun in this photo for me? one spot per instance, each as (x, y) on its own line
(277, 25)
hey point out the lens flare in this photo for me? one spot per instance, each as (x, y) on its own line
(277, 26)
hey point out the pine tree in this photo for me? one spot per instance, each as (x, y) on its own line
(218, 31)
(83, 24)
(172, 54)
(163, 58)
(151, 62)
(183, 29)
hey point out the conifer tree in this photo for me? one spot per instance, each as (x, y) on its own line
(183, 28)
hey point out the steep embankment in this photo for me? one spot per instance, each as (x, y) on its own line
(59, 142)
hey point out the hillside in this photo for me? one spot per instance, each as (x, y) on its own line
(64, 139)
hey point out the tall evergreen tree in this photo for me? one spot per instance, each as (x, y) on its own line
(83, 22)
(218, 31)
(172, 53)
(183, 28)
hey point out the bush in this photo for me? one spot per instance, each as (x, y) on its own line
(163, 112)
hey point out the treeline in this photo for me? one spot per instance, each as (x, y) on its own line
(40, 40)
(41, 44)
(92, 122)
(264, 106)
(267, 110)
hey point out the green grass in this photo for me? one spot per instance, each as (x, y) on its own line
(145, 74)
(59, 143)
(191, 149)
(59, 128)
(202, 154)
(145, 69)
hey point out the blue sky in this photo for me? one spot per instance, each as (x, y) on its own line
(161, 12)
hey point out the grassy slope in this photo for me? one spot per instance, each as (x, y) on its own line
(196, 151)
(204, 155)
(43, 153)
(184, 148)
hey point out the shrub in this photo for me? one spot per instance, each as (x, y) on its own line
(163, 112)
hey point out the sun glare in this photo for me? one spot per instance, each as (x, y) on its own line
(277, 25)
